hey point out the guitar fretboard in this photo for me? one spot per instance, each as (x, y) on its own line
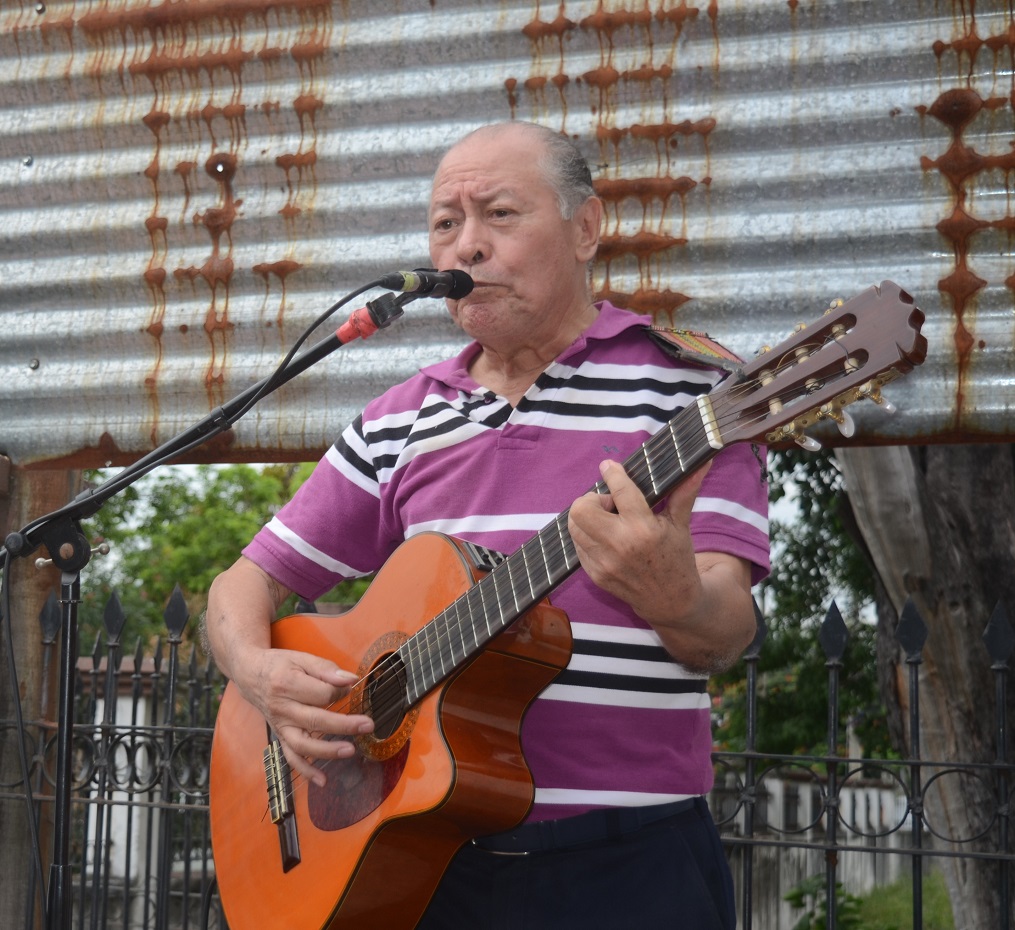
(530, 573)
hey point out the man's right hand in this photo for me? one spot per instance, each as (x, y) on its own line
(300, 695)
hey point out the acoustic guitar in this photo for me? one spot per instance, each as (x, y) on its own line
(452, 644)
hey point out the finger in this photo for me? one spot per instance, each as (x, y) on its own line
(327, 735)
(626, 495)
(303, 752)
(325, 670)
(303, 678)
(681, 501)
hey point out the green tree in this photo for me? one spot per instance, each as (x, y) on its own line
(176, 526)
(815, 561)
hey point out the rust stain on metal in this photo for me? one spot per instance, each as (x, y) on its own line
(184, 62)
(281, 270)
(642, 243)
(106, 453)
(960, 165)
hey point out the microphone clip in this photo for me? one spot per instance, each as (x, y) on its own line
(378, 313)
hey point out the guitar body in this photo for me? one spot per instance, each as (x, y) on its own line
(368, 849)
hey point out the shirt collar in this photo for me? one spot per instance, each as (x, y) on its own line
(609, 322)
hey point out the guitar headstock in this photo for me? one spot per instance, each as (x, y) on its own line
(847, 355)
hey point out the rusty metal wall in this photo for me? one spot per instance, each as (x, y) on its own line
(185, 185)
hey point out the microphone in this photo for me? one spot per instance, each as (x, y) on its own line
(428, 282)
(383, 310)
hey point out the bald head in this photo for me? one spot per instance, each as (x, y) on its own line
(561, 163)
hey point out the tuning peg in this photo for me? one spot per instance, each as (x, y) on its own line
(842, 418)
(883, 401)
(794, 432)
(872, 392)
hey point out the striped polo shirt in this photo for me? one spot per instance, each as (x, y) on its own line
(624, 724)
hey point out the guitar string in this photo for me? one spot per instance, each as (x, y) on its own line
(666, 453)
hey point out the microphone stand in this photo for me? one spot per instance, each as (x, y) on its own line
(69, 551)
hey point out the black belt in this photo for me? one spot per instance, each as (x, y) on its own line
(589, 827)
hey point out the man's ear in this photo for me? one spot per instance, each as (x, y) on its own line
(588, 220)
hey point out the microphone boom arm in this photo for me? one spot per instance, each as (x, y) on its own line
(59, 530)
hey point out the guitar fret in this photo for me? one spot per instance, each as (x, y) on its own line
(491, 582)
(427, 642)
(542, 551)
(500, 597)
(409, 653)
(476, 603)
(483, 613)
(677, 446)
(528, 572)
(567, 544)
(648, 466)
(435, 648)
(513, 587)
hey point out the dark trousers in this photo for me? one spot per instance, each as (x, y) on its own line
(671, 873)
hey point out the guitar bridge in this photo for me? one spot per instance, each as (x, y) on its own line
(278, 778)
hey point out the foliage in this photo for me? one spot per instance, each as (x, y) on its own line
(177, 526)
(814, 562)
(812, 896)
(888, 907)
(891, 906)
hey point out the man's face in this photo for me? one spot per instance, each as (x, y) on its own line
(493, 215)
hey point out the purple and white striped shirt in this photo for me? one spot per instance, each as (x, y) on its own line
(623, 724)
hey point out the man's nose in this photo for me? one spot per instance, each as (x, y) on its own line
(473, 243)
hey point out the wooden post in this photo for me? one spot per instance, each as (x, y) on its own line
(25, 495)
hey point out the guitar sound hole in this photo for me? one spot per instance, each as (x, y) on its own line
(386, 696)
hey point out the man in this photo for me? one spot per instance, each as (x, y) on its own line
(553, 392)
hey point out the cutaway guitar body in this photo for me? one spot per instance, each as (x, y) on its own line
(370, 847)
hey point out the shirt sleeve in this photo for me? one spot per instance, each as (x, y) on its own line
(731, 512)
(331, 529)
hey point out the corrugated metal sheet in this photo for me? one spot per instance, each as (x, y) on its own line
(185, 185)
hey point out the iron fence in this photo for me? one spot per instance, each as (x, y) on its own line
(141, 853)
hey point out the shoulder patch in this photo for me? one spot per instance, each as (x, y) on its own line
(696, 348)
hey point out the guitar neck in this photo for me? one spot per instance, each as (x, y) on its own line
(529, 574)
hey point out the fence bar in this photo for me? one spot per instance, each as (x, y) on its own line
(912, 635)
(1000, 641)
(833, 638)
(749, 798)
